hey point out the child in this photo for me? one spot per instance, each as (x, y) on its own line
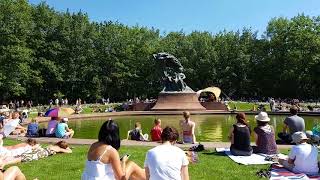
(156, 130)
(33, 128)
(303, 156)
(136, 133)
(63, 131)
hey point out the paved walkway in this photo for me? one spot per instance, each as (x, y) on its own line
(210, 145)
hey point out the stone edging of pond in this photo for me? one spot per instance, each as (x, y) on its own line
(74, 141)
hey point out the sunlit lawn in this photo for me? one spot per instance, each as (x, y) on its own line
(70, 166)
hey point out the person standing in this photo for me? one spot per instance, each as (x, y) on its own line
(56, 102)
(292, 124)
(187, 127)
(167, 161)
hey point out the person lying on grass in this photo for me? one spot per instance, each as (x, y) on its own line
(39, 153)
(18, 149)
(302, 157)
(104, 161)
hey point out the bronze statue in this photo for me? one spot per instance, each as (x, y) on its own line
(171, 72)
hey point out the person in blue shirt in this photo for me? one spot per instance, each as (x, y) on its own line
(63, 131)
(33, 129)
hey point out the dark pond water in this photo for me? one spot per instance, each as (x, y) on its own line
(208, 127)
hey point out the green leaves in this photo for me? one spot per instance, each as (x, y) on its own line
(45, 53)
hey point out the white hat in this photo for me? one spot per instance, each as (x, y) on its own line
(263, 117)
(65, 119)
(297, 137)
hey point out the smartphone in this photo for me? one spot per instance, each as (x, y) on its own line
(128, 155)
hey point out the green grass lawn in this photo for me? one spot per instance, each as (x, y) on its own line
(246, 106)
(70, 166)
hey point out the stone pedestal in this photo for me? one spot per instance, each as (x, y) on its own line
(178, 101)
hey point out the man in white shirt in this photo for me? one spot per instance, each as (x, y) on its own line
(303, 156)
(167, 161)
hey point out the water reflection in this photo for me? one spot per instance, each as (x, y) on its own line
(208, 127)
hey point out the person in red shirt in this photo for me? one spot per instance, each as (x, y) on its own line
(156, 130)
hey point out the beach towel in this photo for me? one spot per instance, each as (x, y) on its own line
(246, 160)
(278, 172)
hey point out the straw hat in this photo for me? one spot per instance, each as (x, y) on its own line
(263, 117)
(297, 137)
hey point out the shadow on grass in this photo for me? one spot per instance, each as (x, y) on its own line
(214, 153)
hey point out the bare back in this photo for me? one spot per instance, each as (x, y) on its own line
(98, 151)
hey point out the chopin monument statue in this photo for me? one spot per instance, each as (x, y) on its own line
(176, 95)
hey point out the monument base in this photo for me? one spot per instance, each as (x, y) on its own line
(178, 101)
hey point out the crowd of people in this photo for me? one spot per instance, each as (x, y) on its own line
(303, 155)
(165, 161)
(187, 133)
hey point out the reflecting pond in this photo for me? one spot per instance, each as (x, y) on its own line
(208, 127)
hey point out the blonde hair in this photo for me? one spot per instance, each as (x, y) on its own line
(157, 121)
(186, 114)
(137, 124)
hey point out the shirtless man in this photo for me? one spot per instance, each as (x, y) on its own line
(187, 127)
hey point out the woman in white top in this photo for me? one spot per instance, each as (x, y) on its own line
(167, 161)
(104, 161)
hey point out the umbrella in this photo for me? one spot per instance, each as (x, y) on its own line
(59, 112)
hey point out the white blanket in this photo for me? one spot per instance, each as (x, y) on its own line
(246, 160)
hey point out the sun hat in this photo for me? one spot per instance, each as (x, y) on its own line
(65, 119)
(263, 117)
(297, 137)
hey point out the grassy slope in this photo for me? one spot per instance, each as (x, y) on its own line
(70, 166)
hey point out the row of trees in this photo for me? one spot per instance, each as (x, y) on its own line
(45, 53)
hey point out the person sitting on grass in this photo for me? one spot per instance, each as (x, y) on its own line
(239, 136)
(264, 135)
(103, 161)
(156, 130)
(12, 126)
(52, 125)
(302, 157)
(33, 128)
(63, 131)
(291, 124)
(136, 133)
(39, 153)
(167, 161)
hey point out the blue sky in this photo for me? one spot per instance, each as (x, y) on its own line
(190, 15)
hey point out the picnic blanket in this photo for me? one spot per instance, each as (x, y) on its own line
(246, 160)
(278, 172)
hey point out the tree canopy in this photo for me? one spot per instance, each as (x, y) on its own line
(46, 53)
